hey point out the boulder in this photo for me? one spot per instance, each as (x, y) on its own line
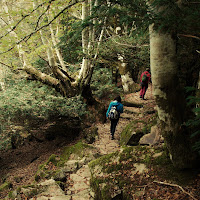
(132, 138)
(19, 136)
(152, 138)
(60, 176)
(50, 187)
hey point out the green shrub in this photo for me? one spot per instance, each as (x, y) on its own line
(24, 99)
(102, 84)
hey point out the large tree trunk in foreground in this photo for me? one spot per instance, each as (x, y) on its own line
(169, 98)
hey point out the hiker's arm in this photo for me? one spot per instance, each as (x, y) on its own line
(149, 77)
(121, 108)
(108, 110)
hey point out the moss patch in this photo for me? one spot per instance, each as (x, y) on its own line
(117, 173)
(138, 127)
(52, 166)
(80, 149)
(104, 160)
(5, 186)
(112, 174)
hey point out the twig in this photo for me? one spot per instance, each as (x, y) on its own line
(125, 44)
(25, 38)
(6, 65)
(23, 17)
(37, 24)
(175, 185)
(189, 36)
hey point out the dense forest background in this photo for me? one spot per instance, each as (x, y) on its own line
(68, 59)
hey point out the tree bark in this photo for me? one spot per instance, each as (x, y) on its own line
(65, 84)
(169, 98)
(127, 81)
(25, 62)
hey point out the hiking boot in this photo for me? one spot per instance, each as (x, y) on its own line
(112, 137)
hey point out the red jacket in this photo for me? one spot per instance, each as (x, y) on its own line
(148, 76)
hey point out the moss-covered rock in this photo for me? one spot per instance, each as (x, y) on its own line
(131, 134)
(56, 166)
(38, 191)
(109, 179)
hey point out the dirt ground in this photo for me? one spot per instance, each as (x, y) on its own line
(19, 166)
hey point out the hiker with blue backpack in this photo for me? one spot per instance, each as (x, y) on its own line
(145, 78)
(113, 113)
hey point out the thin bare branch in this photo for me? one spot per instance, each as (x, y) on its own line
(175, 185)
(3, 21)
(6, 65)
(44, 60)
(190, 36)
(25, 38)
(15, 26)
(37, 24)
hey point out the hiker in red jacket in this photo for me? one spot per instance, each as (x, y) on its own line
(145, 78)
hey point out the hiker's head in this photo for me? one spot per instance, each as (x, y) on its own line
(148, 69)
(118, 98)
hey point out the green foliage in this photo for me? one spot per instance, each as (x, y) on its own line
(24, 99)
(175, 15)
(41, 65)
(194, 122)
(5, 186)
(70, 41)
(101, 84)
(126, 12)
(135, 50)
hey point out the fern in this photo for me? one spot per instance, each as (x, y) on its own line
(194, 123)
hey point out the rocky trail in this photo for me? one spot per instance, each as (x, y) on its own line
(76, 173)
(80, 181)
(104, 144)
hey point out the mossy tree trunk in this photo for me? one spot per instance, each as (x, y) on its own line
(169, 98)
(59, 78)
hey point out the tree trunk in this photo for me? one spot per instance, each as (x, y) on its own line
(25, 62)
(65, 84)
(169, 98)
(87, 67)
(127, 82)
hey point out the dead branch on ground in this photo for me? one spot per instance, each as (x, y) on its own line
(175, 185)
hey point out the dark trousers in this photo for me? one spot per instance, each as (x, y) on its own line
(143, 90)
(113, 126)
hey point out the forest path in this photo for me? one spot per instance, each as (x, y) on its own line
(104, 143)
(79, 182)
(19, 166)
